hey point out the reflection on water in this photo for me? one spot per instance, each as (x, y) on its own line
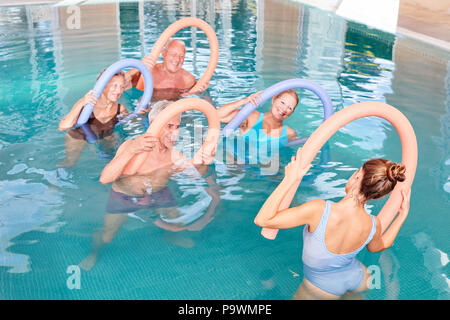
(26, 206)
(50, 214)
(435, 261)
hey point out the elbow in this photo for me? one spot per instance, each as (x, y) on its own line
(261, 222)
(378, 248)
(385, 245)
(105, 178)
(374, 250)
(222, 117)
(62, 127)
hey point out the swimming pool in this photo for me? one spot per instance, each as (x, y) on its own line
(49, 215)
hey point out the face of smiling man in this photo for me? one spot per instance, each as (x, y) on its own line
(173, 56)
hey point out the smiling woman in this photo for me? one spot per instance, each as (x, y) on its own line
(264, 126)
(100, 123)
(281, 108)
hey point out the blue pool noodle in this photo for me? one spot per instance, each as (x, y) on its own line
(107, 75)
(274, 90)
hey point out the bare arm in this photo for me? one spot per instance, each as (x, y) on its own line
(190, 81)
(275, 213)
(292, 135)
(113, 170)
(383, 241)
(132, 77)
(270, 208)
(125, 153)
(71, 118)
(229, 110)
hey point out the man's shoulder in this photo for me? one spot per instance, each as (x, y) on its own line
(187, 74)
(189, 79)
(157, 69)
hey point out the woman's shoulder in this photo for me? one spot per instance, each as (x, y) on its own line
(315, 207)
(317, 204)
(254, 116)
(250, 121)
(313, 210)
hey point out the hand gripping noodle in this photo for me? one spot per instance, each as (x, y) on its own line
(210, 144)
(103, 81)
(273, 91)
(174, 28)
(340, 119)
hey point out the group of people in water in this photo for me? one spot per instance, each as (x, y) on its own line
(334, 232)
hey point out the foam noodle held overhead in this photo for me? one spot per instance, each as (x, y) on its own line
(340, 119)
(272, 91)
(210, 144)
(104, 79)
(174, 28)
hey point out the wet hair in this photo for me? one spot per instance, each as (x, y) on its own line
(157, 107)
(292, 93)
(119, 73)
(380, 176)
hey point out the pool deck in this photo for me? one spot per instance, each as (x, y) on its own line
(427, 21)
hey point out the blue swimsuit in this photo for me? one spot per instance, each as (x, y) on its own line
(258, 145)
(261, 136)
(333, 273)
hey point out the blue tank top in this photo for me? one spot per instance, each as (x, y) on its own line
(257, 133)
(255, 145)
(315, 254)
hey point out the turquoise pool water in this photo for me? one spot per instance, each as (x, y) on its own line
(49, 215)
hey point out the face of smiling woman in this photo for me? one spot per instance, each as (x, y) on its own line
(283, 106)
(114, 89)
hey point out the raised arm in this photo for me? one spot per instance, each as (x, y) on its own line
(229, 110)
(71, 118)
(275, 212)
(125, 153)
(132, 78)
(383, 241)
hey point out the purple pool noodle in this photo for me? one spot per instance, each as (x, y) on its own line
(274, 90)
(107, 75)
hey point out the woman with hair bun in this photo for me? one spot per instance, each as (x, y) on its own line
(335, 233)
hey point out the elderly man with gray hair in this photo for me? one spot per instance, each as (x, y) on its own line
(146, 191)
